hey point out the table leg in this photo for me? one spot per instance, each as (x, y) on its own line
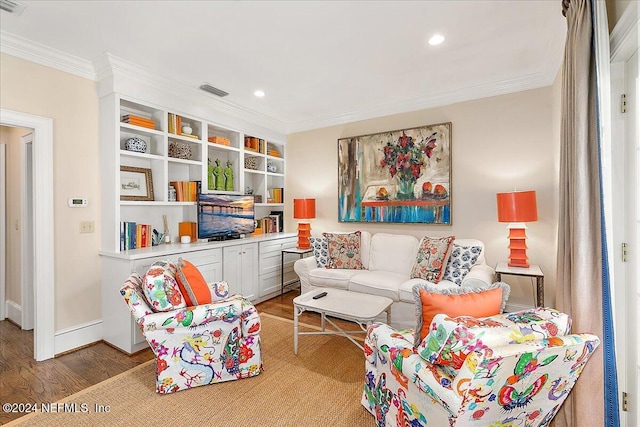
(540, 291)
(281, 273)
(322, 320)
(295, 329)
(388, 310)
(498, 277)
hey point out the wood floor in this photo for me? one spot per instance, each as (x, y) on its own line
(23, 380)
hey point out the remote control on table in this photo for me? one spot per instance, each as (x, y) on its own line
(320, 295)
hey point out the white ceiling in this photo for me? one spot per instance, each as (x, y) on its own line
(319, 62)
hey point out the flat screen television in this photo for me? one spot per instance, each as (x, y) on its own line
(225, 216)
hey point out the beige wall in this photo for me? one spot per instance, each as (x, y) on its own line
(72, 102)
(498, 144)
(615, 9)
(11, 137)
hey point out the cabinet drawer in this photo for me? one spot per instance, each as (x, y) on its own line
(277, 245)
(270, 262)
(209, 256)
(270, 283)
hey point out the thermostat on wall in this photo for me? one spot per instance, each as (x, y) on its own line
(77, 202)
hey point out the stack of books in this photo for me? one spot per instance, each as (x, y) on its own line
(186, 191)
(220, 140)
(252, 143)
(270, 224)
(273, 151)
(135, 236)
(277, 195)
(144, 122)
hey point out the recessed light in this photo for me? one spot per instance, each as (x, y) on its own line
(436, 39)
(259, 93)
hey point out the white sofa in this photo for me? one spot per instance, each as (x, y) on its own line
(387, 260)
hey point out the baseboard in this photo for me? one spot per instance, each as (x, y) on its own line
(511, 307)
(77, 336)
(14, 312)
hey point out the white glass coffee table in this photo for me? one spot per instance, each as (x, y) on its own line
(352, 306)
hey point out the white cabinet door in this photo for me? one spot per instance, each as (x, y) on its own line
(250, 271)
(232, 270)
(241, 269)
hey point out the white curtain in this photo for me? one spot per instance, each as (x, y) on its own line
(583, 277)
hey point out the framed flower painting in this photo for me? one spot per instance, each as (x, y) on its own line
(401, 176)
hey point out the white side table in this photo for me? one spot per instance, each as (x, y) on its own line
(531, 271)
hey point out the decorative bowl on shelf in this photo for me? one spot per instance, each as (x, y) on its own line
(136, 145)
(251, 163)
(179, 150)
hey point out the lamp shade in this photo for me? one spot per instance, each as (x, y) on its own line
(517, 206)
(304, 208)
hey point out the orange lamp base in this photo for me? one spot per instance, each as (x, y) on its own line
(304, 232)
(518, 248)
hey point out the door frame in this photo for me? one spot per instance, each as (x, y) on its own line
(44, 278)
(3, 230)
(26, 231)
(623, 44)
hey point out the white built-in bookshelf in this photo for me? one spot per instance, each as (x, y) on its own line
(157, 126)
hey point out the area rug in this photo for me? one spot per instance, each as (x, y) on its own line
(320, 386)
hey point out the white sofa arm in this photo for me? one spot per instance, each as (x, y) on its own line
(302, 267)
(479, 275)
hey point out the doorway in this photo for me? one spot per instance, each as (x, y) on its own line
(16, 195)
(626, 209)
(43, 248)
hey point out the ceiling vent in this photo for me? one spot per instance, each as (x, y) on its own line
(208, 88)
(12, 6)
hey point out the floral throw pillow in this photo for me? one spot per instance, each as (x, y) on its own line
(461, 260)
(343, 250)
(320, 250)
(431, 258)
(161, 288)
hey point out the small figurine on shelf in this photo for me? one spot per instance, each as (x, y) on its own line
(219, 178)
(228, 175)
(210, 176)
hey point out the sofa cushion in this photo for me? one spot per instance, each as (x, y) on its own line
(450, 340)
(344, 250)
(332, 277)
(160, 287)
(461, 260)
(431, 258)
(381, 283)
(320, 250)
(392, 252)
(477, 302)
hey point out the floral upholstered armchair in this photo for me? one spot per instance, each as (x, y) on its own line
(508, 369)
(197, 345)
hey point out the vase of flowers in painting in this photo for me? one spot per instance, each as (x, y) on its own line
(405, 160)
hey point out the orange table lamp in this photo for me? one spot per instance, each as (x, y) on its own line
(516, 208)
(304, 209)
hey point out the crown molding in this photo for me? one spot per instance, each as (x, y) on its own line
(108, 65)
(462, 94)
(111, 69)
(20, 47)
(627, 26)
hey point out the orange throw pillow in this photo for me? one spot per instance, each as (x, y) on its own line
(475, 304)
(192, 284)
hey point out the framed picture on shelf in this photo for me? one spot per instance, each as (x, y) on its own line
(400, 176)
(135, 184)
